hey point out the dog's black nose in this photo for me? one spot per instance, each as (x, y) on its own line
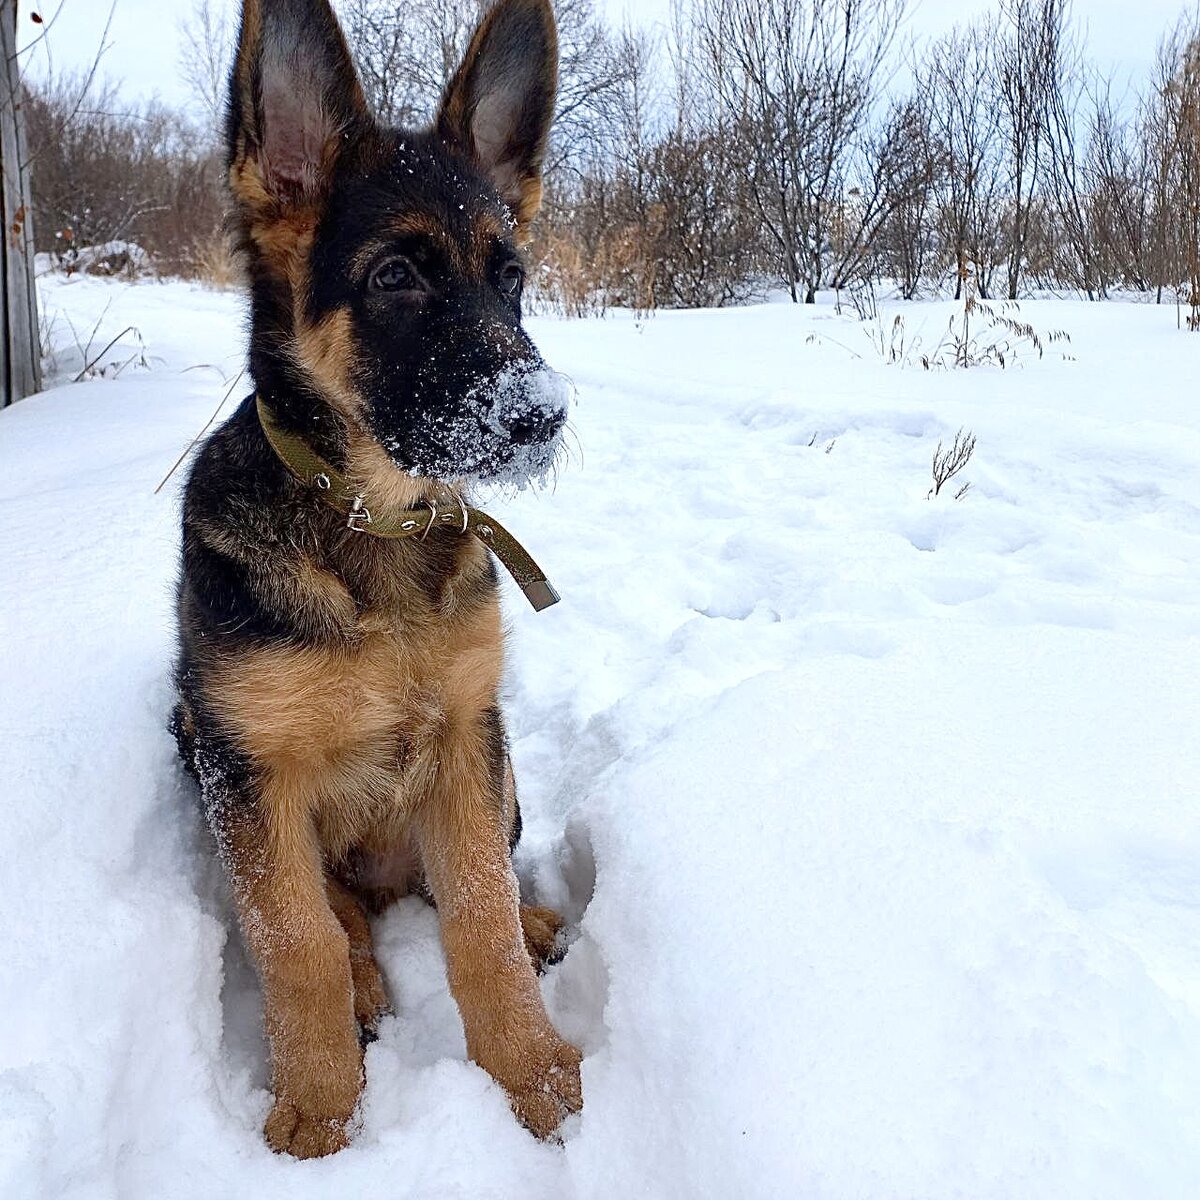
(533, 426)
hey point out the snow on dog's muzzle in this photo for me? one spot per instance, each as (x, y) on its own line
(530, 405)
(526, 413)
(505, 429)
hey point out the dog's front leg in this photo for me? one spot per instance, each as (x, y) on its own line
(303, 959)
(464, 846)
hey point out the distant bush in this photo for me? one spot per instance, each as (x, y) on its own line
(106, 174)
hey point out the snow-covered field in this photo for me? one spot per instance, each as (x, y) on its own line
(876, 817)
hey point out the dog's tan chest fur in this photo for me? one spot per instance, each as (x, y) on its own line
(349, 731)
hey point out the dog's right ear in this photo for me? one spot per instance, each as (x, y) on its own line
(294, 97)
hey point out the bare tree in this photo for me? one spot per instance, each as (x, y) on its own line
(1065, 98)
(800, 76)
(1118, 174)
(896, 167)
(206, 49)
(1026, 67)
(1173, 126)
(910, 165)
(958, 81)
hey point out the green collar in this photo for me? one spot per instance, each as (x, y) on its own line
(336, 491)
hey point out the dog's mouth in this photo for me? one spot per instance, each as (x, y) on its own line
(507, 430)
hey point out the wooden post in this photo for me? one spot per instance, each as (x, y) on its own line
(20, 353)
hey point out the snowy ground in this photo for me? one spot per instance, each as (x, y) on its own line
(875, 817)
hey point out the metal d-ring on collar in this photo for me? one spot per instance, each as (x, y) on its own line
(335, 490)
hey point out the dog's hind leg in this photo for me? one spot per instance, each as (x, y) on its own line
(303, 958)
(370, 995)
(541, 927)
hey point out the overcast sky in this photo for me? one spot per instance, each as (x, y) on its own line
(144, 39)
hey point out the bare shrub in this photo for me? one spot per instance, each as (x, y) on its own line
(983, 334)
(980, 333)
(215, 263)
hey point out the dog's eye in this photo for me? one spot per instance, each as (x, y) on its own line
(395, 275)
(512, 278)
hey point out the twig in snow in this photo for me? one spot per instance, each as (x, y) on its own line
(948, 463)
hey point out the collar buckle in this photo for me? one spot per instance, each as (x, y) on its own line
(358, 512)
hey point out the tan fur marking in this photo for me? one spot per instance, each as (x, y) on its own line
(418, 224)
(332, 719)
(377, 477)
(338, 719)
(302, 954)
(541, 927)
(247, 184)
(486, 233)
(323, 589)
(285, 242)
(325, 350)
(527, 207)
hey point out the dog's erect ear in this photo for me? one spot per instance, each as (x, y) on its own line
(294, 95)
(500, 103)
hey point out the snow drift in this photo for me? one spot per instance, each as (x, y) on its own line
(875, 818)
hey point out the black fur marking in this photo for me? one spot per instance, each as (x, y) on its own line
(518, 825)
(498, 752)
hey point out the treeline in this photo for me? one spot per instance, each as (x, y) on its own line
(752, 144)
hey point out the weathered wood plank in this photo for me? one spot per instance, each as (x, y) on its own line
(20, 358)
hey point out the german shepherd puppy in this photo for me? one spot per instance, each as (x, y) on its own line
(337, 690)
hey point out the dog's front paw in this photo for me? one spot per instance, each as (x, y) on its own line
(543, 1084)
(290, 1131)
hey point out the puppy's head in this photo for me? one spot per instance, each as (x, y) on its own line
(386, 265)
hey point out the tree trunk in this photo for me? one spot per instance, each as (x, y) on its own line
(20, 357)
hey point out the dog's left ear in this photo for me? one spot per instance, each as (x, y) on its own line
(500, 103)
